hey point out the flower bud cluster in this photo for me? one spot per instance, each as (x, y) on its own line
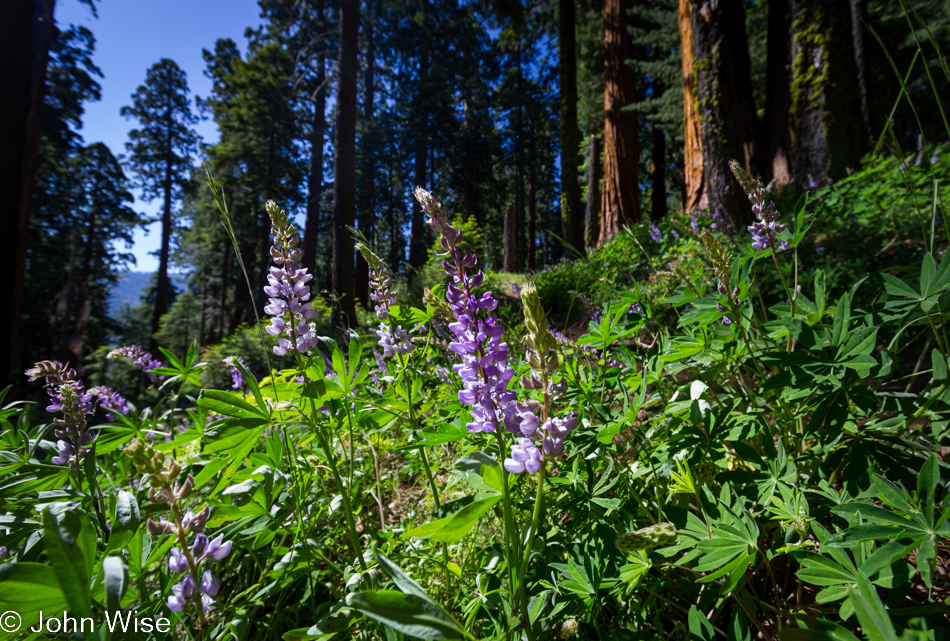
(195, 586)
(109, 399)
(722, 268)
(654, 536)
(141, 360)
(393, 339)
(68, 396)
(477, 334)
(765, 228)
(287, 289)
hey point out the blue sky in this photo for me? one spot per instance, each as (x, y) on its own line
(132, 35)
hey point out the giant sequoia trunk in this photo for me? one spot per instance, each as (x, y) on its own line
(776, 138)
(570, 134)
(344, 170)
(723, 99)
(829, 134)
(620, 198)
(509, 262)
(26, 31)
(695, 190)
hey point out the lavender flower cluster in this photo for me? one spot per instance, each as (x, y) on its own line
(237, 379)
(186, 591)
(67, 396)
(766, 226)
(109, 399)
(287, 289)
(477, 334)
(141, 359)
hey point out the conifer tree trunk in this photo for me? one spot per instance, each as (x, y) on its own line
(695, 193)
(315, 176)
(344, 172)
(509, 261)
(594, 171)
(776, 164)
(571, 217)
(620, 199)
(532, 207)
(828, 132)
(26, 31)
(366, 222)
(658, 178)
(417, 248)
(161, 285)
(859, 16)
(716, 63)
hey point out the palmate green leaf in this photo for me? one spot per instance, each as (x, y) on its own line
(455, 526)
(406, 613)
(228, 404)
(875, 622)
(700, 629)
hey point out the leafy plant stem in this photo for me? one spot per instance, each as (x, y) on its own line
(344, 494)
(923, 408)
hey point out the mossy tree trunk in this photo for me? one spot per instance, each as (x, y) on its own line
(620, 198)
(828, 130)
(723, 99)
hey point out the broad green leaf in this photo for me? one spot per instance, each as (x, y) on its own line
(28, 589)
(406, 613)
(700, 629)
(63, 542)
(926, 484)
(116, 579)
(125, 520)
(453, 527)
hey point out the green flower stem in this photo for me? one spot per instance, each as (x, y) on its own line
(535, 522)
(923, 408)
(347, 507)
(512, 544)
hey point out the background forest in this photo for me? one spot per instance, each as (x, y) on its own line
(565, 120)
(483, 319)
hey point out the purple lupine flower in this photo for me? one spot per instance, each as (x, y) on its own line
(934, 159)
(287, 289)
(525, 457)
(68, 396)
(110, 399)
(393, 339)
(141, 360)
(675, 235)
(733, 303)
(764, 229)
(694, 225)
(477, 334)
(177, 561)
(656, 234)
(237, 379)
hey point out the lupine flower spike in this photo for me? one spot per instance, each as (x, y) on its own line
(68, 397)
(730, 303)
(287, 289)
(199, 585)
(393, 339)
(765, 228)
(549, 432)
(141, 359)
(477, 335)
